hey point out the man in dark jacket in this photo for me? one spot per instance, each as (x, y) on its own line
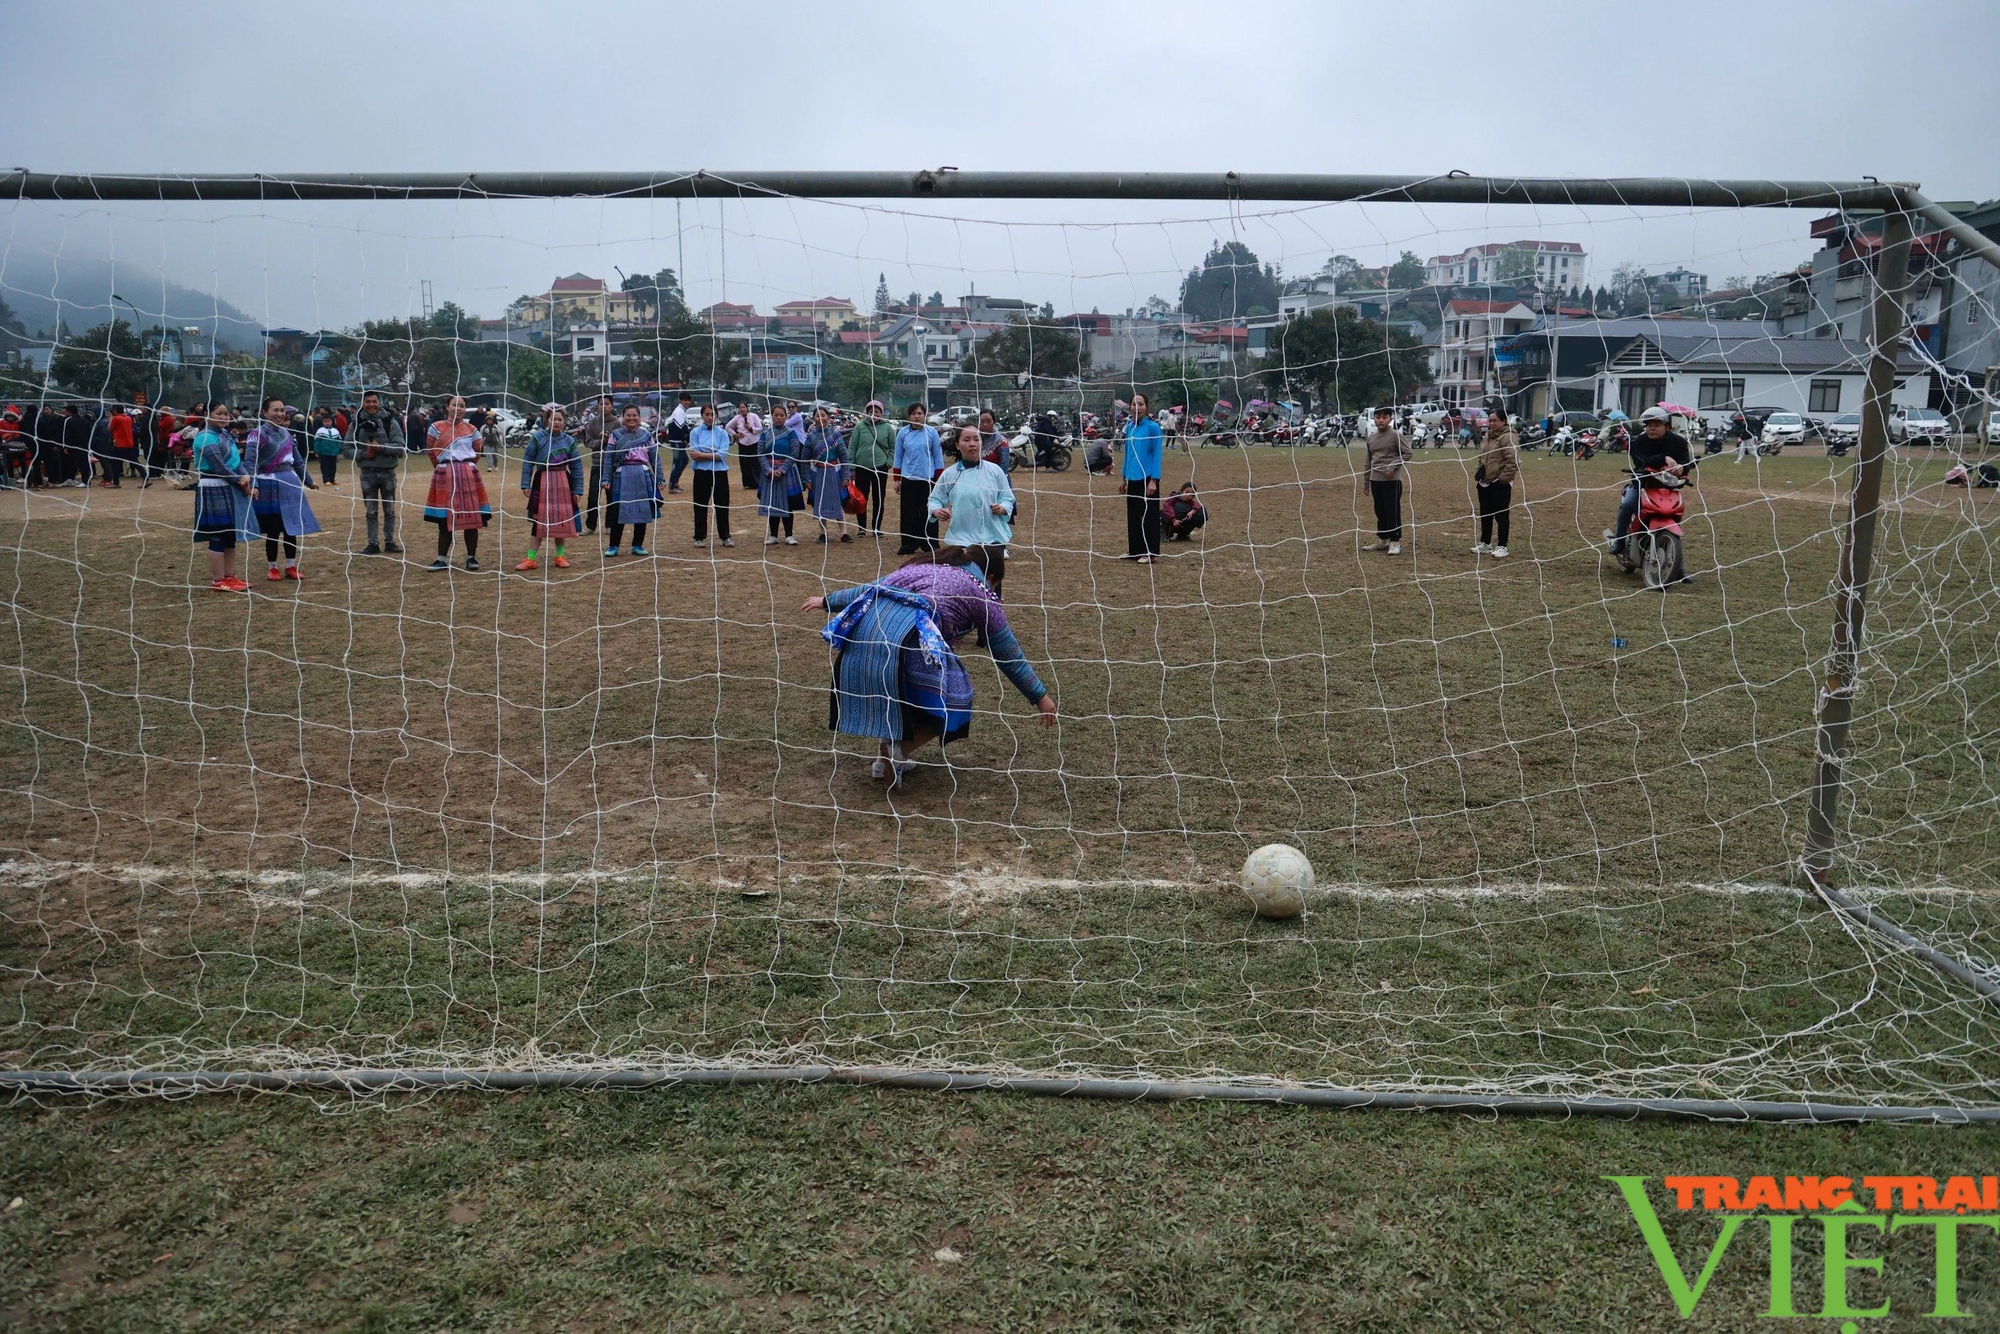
(1652, 450)
(379, 447)
(75, 446)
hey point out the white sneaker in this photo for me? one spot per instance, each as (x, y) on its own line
(729, 541)
(1499, 553)
(770, 541)
(1395, 548)
(791, 541)
(1480, 548)
(879, 770)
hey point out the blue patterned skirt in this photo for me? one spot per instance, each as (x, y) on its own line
(882, 686)
(282, 494)
(221, 510)
(635, 494)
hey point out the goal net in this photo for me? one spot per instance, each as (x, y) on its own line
(592, 814)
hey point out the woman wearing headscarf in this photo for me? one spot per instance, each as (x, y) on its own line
(552, 480)
(780, 489)
(271, 454)
(633, 457)
(457, 502)
(896, 676)
(826, 452)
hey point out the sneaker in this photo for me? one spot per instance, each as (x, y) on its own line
(611, 551)
(371, 550)
(229, 586)
(274, 576)
(641, 551)
(472, 563)
(879, 770)
(821, 539)
(791, 541)
(292, 573)
(529, 564)
(770, 541)
(1480, 548)
(1376, 546)
(1499, 553)
(392, 548)
(701, 541)
(729, 541)
(561, 562)
(438, 565)
(236, 585)
(847, 537)
(1395, 548)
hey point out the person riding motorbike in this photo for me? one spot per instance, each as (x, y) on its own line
(1651, 452)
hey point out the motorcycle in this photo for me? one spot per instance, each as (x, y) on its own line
(1653, 544)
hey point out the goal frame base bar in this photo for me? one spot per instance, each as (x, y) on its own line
(185, 1083)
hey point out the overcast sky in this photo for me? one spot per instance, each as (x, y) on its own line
(1820, 90)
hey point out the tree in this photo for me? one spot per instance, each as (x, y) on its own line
(1514, 266)
(1173, 381)
(106, 361)
(1230, 284)
(1343, 269)
(679, 349)
(1351, 362)
(1407, 272)
(1034, 347)
(882, 299)
(1158, 305)
(658, 294)
(937, 299)
(914, 300)
(855, 380)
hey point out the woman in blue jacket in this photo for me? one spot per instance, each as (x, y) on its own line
(1142, 484)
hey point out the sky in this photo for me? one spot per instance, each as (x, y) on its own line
(1767, 90)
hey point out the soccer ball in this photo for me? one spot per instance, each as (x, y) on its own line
(1276, 878)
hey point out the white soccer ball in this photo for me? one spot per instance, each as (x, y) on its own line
(1276, 878)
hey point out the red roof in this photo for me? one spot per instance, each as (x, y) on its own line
(1482, 307)
(577, 282)
(822, 303)
(851, 336)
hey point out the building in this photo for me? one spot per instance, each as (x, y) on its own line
(1822, 377)
(827, 312)
(728, 317)
(1681, 283)
(1558, 361)
(1969, 333)
(577, 299)
(1118, 342)
(1465, 372)
(1556, 264)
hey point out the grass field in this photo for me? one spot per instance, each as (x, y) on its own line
(393, 817)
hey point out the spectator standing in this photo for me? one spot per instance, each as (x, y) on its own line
(746, 433)
(973, 506)
(142, 437)
(598, 424)
(326, 447)
(994, 442)
(123, 446)
(457, 502)
(1182, 513)
(918, 458)
(489, 439)
(826, 457)
(552, 480)
(1142, 484)
(379, 448)
(708, 447)
(1388, 452)
(1499, 464)
(75, 446)
(272, 456)
(633, 486)
(871, 449)
(222, 498)
(780, 490)
(680, 424)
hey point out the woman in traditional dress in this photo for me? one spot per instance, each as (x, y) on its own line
(895, 675)
(826, 449)
(223, 487)
(633, 457)
(457, 502)
(271, 454)
(780, 489)
(552, 480)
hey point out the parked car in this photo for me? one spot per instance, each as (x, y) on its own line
(955, 416)
(1843, 433)
(1918, 425)
(1781, 429)
(1993, 429)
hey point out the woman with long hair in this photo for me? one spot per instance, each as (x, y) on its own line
(457, 502)
(896, 676)
(552, 480)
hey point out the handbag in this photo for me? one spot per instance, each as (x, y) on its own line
(854, 502)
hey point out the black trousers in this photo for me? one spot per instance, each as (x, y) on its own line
(711, 486)
(1142, 520)
(1494, 501)
(918, 534)
(1388, 509)
(273, 528)
(594, 495)
(874, 484)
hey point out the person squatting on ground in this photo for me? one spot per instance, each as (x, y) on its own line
(457, 501)
(222, 494)
(552, 480)
(871, 449)
(379, 448)
(973, 507)
(1499, 465)
(634, 483)
(1388, 452)
(1142, 484)
(896, 676)
(271, 455)
(919, 457)
(708, 446)
(1182, 514)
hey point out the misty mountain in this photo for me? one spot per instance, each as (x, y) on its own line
(40, 288)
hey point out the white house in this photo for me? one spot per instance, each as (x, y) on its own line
(1557, 264)
(1822, 377)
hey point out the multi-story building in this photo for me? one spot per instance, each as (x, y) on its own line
(1556, 265)
(1465, 370)
(827, 312)
(577, 299)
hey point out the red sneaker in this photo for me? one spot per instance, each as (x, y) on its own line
(292, 572)
(274, 576)
(562, 562)
(528, 565)
(236, 585)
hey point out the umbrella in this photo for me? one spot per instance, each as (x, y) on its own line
(1616, 416)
